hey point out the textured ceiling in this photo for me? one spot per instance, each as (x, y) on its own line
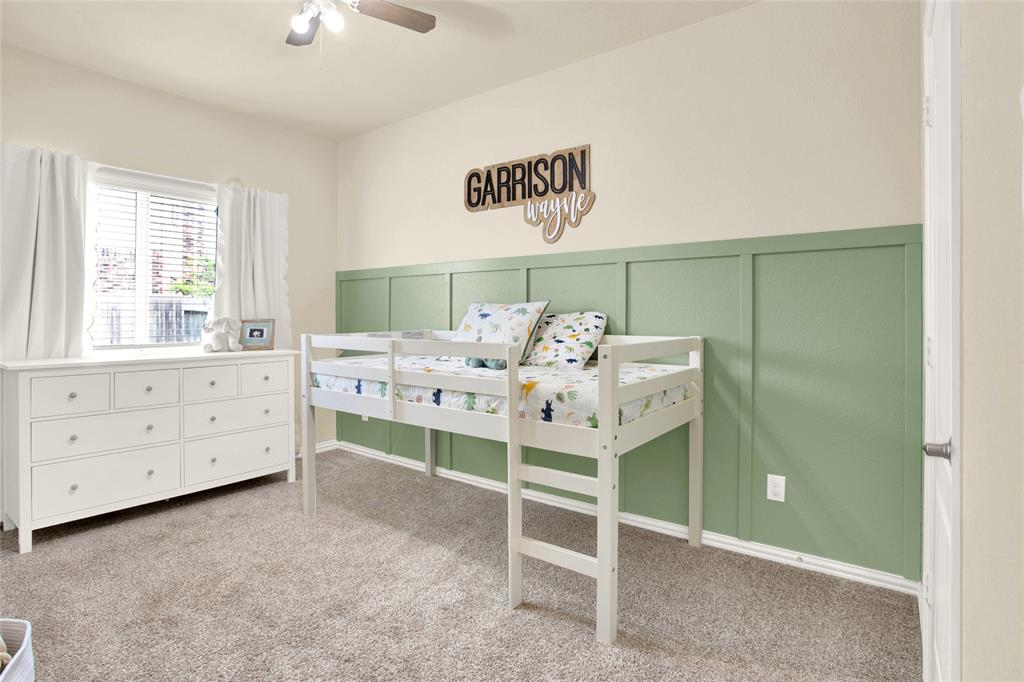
(233, 55)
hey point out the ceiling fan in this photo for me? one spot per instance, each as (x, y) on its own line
(326, 12)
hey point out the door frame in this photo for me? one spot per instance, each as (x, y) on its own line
(947, 342)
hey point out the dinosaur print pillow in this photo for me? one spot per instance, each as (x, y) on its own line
(499, 323)
(566, 340)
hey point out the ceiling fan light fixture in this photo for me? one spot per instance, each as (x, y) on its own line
(300, 22)
(332, 18)
(307, 22)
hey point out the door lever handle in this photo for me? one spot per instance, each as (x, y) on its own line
(943, 450)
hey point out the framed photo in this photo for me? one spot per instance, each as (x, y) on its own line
(257, 335)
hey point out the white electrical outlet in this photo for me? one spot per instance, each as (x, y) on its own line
(776, 488)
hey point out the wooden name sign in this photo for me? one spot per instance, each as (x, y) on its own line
(553, 189)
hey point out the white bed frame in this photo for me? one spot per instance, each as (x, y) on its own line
(606, 444)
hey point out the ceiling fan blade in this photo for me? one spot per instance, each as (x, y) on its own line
(300, 39)
(415, 20)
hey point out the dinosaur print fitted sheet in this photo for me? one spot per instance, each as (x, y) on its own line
(551, 394)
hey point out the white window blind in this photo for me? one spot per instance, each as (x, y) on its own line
(156, 255)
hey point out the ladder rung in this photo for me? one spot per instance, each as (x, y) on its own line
(563, 480)
(560, 556)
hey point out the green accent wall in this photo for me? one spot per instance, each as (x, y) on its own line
(813, 371)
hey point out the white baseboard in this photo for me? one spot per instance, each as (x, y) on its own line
(325, 446)
(868, 576)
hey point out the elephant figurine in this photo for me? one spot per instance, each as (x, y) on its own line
(221, 334)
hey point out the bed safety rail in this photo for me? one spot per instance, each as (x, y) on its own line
(607, 443)
(417, 342)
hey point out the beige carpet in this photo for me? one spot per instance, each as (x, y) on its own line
(402, 577)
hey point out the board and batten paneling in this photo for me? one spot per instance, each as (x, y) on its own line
(700, 293)
(813, 372)
(352, 297)
(419, 302)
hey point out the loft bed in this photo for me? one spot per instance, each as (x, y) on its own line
(418, 378)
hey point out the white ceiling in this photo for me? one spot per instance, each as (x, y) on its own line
(232, 54)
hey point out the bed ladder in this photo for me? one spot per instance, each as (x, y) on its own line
(604, 566)
(605, 487)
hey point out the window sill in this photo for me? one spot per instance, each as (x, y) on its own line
(161, 352)
(156, 348)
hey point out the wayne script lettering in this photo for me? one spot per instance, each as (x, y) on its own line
(554, 189)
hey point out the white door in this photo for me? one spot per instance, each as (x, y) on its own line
(940, 601)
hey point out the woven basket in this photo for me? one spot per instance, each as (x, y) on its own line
(17, 635)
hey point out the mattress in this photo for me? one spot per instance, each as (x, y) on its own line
(550, 394)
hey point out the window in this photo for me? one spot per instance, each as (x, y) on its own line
(155, 244)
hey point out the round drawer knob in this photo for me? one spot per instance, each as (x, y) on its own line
(149, 389)
(266, 449)
(213, 382)
(149, 427)
(213, 460)
(149, 473)
(73, 437)
(74, 487)
(213, 418)
(266, 377)
(266, 410)
(72, 395)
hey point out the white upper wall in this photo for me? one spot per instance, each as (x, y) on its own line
(776, 118)
(60, 107)
(992, 357)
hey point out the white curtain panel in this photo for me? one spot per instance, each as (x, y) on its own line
(42, 254)
(252, 258)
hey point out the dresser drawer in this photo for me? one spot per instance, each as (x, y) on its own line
(264, 377)
(145, 389)
(66, 487)
(222, 456)
(54, 396)
(230, 415)
(82, 435)
(209, 383)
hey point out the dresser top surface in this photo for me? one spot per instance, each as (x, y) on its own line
(141, 356)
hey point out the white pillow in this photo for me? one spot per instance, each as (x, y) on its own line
(500, 323)
(566, 340)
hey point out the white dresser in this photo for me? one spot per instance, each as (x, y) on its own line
(85, 436)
